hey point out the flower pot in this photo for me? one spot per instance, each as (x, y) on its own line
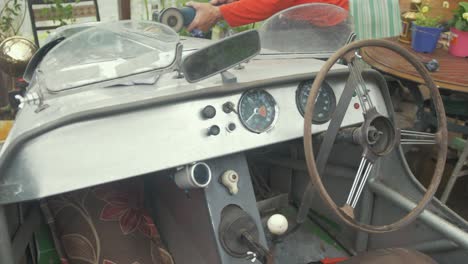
(424, 39)
(458, 43)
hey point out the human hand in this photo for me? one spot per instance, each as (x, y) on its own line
(221, 2)
(206, 17)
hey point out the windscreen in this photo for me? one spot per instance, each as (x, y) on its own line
(107, 51)
(317, 29)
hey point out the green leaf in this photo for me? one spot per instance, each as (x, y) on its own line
(464, 5)
(451, 22)
(461, 24)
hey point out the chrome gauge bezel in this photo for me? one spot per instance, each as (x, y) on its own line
(239, 110)
(326, 86)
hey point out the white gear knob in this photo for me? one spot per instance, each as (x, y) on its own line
(277, 224)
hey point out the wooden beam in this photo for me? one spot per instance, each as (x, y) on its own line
(5, 86)
(124, 9)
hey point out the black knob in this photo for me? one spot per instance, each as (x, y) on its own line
(208, 112)
(214, 130)
(231, 126)
(228, 107)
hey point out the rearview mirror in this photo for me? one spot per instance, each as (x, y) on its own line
(221, 56)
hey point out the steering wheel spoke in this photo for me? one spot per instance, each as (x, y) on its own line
(360, 180)
(410, 137)
(377, 135)
(356, 65)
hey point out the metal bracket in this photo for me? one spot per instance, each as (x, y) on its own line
(228, 77)
(252, 256)
(240, 66)
(178, 62)
(32, 98)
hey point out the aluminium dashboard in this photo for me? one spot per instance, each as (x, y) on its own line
(128, 144)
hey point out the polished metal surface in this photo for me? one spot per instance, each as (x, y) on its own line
(15, 53)
(441, 245)
(102, 150)
(197, 175)
(431, 219)
(457, 173)
(189, 220)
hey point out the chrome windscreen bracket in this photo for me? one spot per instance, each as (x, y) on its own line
(178, 62)
(33, 98)
(228, 77)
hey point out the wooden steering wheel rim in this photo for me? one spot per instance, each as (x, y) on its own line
(441, 136)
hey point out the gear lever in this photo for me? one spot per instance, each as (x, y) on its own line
(239, 235)
(277, 224)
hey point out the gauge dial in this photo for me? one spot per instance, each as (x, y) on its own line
(325, 103)
(258, 110)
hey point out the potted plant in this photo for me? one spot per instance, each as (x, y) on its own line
(12, 15)
(426, 30)
(60, 11)
(459, 31)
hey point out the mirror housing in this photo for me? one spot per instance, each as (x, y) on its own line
(221, 56)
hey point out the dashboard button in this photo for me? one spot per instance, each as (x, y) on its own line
(214, 130)
(229, 107)
(231, 127)
(208, 112)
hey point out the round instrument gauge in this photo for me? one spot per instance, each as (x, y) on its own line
(325, 103)
(258, 111)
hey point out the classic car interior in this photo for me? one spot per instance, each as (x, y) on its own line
(253, 157)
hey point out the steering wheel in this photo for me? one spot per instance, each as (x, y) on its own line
(377, 135)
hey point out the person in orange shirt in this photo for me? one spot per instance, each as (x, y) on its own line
(241, 12)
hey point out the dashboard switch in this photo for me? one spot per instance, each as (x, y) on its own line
(230, 179)
(229, 107)
(208, 112)
(231, 127)
(214, 130)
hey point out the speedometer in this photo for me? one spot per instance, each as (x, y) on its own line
(258, 111)
(325, 103)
